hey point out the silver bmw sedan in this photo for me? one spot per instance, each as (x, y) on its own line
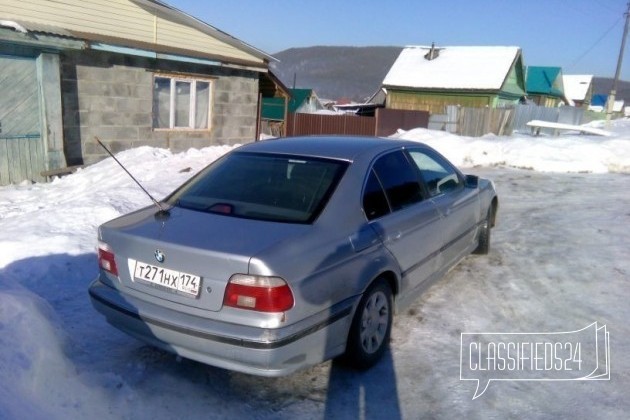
(288, 252)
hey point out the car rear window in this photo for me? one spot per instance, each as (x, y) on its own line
(282, 188)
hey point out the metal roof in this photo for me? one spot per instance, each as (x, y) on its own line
(541, 80)
(298, 96)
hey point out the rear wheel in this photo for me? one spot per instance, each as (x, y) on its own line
(483, 246)
(371, 326)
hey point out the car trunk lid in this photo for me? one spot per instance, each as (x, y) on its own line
(158, 255)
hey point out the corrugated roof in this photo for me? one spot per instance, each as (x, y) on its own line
(463, 67)
(45, 29)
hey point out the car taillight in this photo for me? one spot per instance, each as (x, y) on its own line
(106, 259)
(258, 293)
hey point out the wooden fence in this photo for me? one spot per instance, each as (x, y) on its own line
(475, 122)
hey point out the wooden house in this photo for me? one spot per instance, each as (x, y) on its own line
(429, 78)
(275, 98)
(545, 86)
(304, 101)
(133, 72)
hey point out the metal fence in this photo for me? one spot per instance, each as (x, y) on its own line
(564, 115)
(464, 121)
(309, 124)
(476, 122)
(384, 123)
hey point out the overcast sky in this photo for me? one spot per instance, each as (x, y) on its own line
(581, 36)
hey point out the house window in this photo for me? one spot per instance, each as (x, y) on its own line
(180, 103)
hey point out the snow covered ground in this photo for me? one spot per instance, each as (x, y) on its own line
(559, 261)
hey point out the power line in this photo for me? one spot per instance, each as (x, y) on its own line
(606, 6)
(577, 60)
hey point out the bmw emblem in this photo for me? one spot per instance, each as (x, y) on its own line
(159, 256)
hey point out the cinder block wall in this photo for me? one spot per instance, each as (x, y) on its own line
(111, 95)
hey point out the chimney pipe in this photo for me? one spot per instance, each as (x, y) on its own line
(433, 52)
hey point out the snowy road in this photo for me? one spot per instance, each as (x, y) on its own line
(559, 261)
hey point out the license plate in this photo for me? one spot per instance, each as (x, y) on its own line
(171, 279)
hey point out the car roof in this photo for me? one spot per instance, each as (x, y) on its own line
(335, 147)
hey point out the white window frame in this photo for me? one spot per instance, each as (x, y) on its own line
(192, 104)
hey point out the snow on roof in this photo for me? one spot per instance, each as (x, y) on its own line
(576, 85)
(454, 68)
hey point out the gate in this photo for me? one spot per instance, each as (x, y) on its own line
(21, 150)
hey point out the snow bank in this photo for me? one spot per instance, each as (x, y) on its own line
(564, 153)
(59, 359)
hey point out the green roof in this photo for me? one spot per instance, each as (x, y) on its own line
(544, 81)
(298, 96)
(273, 108)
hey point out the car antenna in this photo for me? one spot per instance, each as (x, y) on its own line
(163, 211)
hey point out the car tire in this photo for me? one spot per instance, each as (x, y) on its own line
(371, 326)
(483, 246)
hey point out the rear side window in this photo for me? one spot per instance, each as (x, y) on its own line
(392, 181)
(374, 201)
(291, 189)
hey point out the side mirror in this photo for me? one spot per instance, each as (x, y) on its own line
(471, 181)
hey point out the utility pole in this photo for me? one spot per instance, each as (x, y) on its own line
(613, 91)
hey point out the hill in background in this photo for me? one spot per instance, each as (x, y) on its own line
(357, 72)
(602, 85)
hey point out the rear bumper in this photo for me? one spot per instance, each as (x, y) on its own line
(258, 351)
